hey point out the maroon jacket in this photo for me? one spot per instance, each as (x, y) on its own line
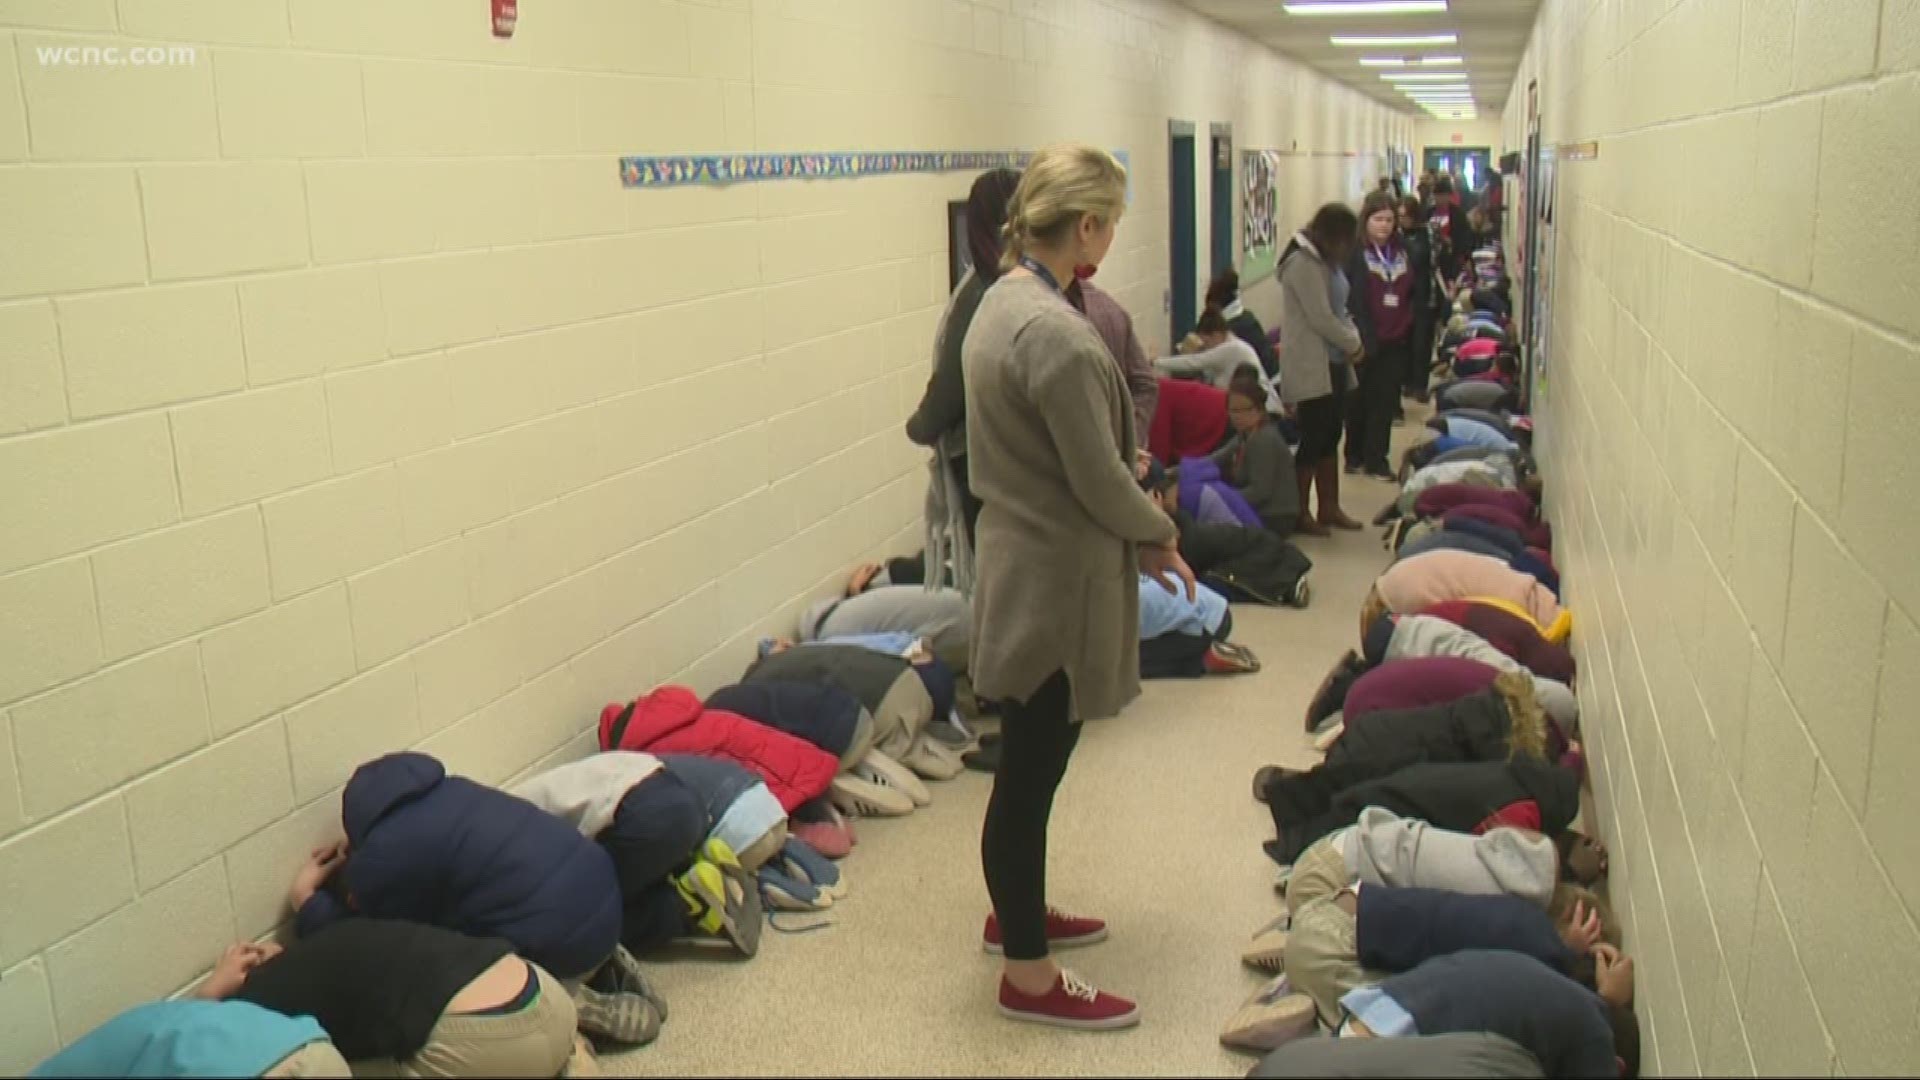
(1415, 682)
(1509, 633)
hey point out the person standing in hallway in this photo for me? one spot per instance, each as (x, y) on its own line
(1115, 327)
(940, 421)
(1426, 294)
(1065, 532)
(1318, 346)
(1382, 305)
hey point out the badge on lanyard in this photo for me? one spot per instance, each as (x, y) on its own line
(1391, 300)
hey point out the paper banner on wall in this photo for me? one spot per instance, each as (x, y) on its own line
(1259, 214)
(682, 170)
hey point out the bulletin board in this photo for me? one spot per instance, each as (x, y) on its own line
(1259, 214)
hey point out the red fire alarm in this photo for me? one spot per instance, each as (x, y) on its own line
(505, 14)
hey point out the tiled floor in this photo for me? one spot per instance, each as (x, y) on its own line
(1155, 830)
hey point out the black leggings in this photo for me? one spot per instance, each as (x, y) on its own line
(1037, 738)
(1370, 410)
(1319, 420)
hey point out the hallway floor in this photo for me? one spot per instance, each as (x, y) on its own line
(1154, 830)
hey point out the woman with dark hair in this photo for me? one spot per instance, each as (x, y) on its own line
(940, 421)
(1223, 292)
(1320, 345)
(1426, 304)
(1381, 303)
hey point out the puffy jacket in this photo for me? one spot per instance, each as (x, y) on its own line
(1239, 562)
(1512, 635)
(1424, 680)
(867, 675)
(1191, 420)
(1427, 635)
(1476, 727)
(1206, 495)
(672, 720)
(1414, 584)
(826, 716)
(448, 852)
(1435, 501)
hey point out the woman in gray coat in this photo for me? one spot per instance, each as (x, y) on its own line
(1318, 344)
(1065, 532)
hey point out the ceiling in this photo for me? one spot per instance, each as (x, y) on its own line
(1492, 37)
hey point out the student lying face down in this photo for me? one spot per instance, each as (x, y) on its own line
(195, 1037)
(671, 834)
(1413, 585)
(1502, 722)
(407, 999)
(1570, 1030)
(941, 617)
(1425, 1057)
(1393, 638)
(427, 847)
(1461, 796)
(1237, 562)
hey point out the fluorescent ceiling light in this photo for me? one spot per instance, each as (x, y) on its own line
(1366, 7)
(1367, 41)
(1401, 61)
(1436, 92)
(1455, 101)
(1424, 76)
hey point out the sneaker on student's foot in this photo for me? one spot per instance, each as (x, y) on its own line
(830, 838)
(1268, 950)
(1226, 658)
(932, 760)
(1071, 1002)
(800, 860)
(881, 769)
(1302, 592)
(628, 976)
(723, 900)
(623, 1017)
(854, 795)
(1064, 931)
(782, 891)
(1276, 1014)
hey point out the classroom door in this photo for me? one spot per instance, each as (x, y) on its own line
(1182, 253)
(1220, 207)
(1470, 165)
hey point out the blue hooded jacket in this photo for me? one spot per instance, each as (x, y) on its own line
(826, 716)
(446, 851)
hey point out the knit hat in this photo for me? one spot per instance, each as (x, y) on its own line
(754, 814)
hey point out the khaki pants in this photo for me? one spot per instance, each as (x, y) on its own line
(902, 715)
(765, 848)
(537, 1041)
(1323, 956)
(316, 1059)
(1320, 871)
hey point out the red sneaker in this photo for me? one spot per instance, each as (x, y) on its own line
(1064, 931)
(1072, 1002)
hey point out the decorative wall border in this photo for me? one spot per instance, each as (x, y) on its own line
(682, 170)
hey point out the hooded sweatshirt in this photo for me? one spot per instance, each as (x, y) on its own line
(186, 1037)
(1563, 1024)
(588, 792)
(1383, 848)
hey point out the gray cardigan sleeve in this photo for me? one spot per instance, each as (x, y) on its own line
(1269, 474)
(1067, 373)
(1306, 280)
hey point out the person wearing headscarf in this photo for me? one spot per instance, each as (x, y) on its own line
(940, 421)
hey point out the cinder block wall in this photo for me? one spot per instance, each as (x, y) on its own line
(347, 403)
(1733, 383)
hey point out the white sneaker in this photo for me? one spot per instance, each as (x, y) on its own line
(932, 761)
(863, 798)
(878, 768)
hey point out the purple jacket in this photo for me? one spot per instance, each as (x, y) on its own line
(1209, 498)
(1415, 682)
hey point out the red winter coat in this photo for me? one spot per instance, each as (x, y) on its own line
(671, 720)
(1190, 421)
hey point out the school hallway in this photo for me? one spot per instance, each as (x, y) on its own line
(1154, 830)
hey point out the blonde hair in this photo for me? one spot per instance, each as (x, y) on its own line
(1059, 185)
(1526, 720)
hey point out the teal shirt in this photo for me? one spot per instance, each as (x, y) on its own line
(185, 1038)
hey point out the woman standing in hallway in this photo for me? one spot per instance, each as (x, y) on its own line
(940, 422)
(1318, 343)
(1426, 294)
(1064, 534)
(1382, 306)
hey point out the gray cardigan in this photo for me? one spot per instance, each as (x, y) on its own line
(1310, 329)
(1050, 445)
(1264, 476)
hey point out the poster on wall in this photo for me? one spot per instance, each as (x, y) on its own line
(1259, 214)
(1538, 334)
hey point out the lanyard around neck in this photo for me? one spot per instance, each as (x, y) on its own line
(1039, 270)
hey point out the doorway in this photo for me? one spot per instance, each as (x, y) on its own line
(1470, 165)
(1182, 253)
(1220, 207)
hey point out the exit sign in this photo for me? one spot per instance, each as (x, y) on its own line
(1459, 137)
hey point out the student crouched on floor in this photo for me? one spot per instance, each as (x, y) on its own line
(431, 848)
(940, 616)
(1256, 460)
(194, 1037)
(1241, 563)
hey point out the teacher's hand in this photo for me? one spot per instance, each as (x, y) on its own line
(1164, 565)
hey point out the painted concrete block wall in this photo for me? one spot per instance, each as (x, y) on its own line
(1734, 366)
(347, 403)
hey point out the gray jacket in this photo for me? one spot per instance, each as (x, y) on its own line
(1311, 329)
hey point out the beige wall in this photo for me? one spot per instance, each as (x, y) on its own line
(1734, 376)
(347, 403)
(1439, 134)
